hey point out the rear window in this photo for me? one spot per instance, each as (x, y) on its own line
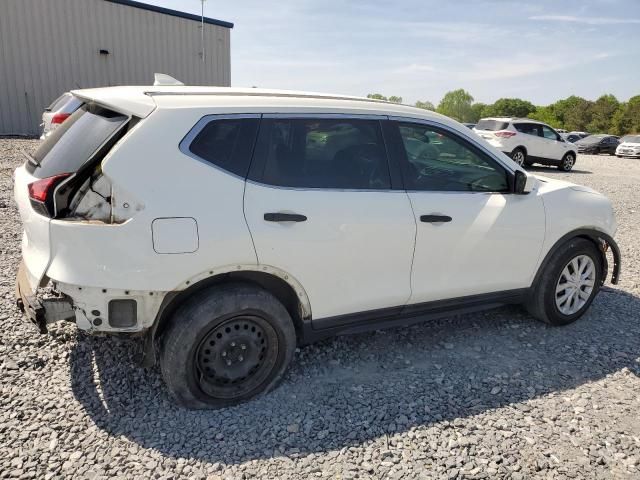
(493, 125)
(74, 142)
(58, 102)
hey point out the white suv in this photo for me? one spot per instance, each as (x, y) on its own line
(527, 141)
(228, 226)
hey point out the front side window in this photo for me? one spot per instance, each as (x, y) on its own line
(324, 153)
(549, 133)
(437, 160)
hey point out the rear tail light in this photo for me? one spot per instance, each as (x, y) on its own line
(41, 193)
(505, 134)
(39, 190)
(58, 118)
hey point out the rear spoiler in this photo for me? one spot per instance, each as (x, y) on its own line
(127, 100)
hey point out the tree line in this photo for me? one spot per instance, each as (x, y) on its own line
(604, 115)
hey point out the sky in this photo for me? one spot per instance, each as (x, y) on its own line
(540, 51)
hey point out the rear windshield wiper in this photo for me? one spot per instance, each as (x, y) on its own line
(30, 158)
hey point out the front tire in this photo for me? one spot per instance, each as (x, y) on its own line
(226, 345)
(567, 163)
(519, 156)
(568, 284)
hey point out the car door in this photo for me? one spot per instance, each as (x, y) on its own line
(554, 147)
(609, 145)
(531, 138)
(322, 207)
(474, 236)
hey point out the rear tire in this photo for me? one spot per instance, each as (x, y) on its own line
(226, 345)
(519, 156)
(567, 163)
(568, 284)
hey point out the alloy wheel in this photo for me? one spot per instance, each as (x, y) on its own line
(518, 157)
(568, 162)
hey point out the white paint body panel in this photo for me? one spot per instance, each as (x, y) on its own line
(175, 235)
(36, 244)
(353, 253)
(492, 243)
(167, 183)
(570, 207)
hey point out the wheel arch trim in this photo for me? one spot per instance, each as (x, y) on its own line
(237, 273)
(601, 239)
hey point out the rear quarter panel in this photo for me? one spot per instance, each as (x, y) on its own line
(152, 179)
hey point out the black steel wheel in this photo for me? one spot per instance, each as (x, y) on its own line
(226, 345)
(236, 356)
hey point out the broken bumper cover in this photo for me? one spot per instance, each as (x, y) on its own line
(40, 310)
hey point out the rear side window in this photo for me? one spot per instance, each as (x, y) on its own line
(528, 128)
(225, 143)
(323, 153)
(73, 143)
(493, 125)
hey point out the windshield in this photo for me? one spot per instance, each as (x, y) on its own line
(72, 143)
(493, 125)
(631, 139)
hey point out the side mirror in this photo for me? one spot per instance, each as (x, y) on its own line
(523, 183)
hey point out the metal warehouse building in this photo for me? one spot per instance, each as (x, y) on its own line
(48, 47)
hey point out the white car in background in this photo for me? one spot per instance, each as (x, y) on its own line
(228, 226)
(629, 146)
(528, 141)
(56, 113)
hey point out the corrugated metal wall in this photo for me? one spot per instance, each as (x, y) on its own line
(51, 46)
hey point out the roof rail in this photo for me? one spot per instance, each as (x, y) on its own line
(152, 93)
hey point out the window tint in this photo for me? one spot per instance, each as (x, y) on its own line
(323, 153)
(441, 161)
(227, 143)
(528, 128)
(493, 125)
(58, 102)
(71, 144)
(549, 133)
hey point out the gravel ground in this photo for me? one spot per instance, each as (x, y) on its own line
(493, 395)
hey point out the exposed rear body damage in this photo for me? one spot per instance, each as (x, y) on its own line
(228, 226)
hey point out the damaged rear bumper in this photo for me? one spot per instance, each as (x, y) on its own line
(41, 310)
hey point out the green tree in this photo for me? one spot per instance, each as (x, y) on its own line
(510, 107)
(573, 113)
(425, 105)
(546, 115)
(602, 112)
(626, 119)
(457, 104)
(379, 96)
(478, 112)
